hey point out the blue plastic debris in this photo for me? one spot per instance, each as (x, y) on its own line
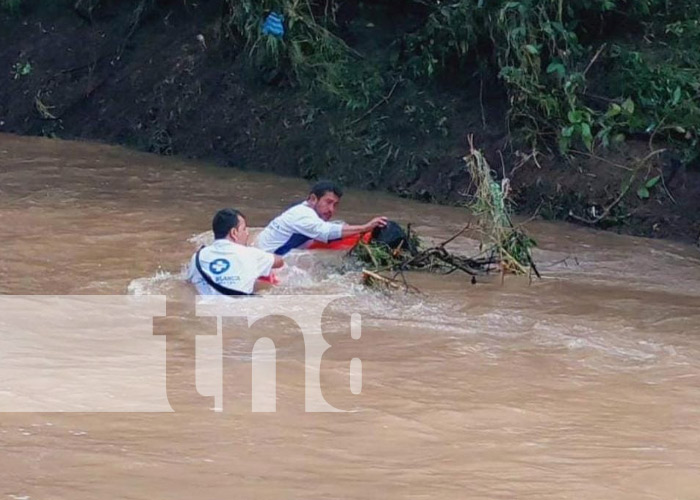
(274, 25)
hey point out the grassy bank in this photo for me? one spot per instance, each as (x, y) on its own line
(580, 74)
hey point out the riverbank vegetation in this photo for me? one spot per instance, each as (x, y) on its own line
(579, 74)
(381, 94)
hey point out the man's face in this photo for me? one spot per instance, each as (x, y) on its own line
(240, 234)
(325, 205)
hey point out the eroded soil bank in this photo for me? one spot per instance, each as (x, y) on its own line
(173, 85)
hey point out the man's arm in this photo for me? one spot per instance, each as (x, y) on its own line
(315, 228)
(263, 261)
(349, 230)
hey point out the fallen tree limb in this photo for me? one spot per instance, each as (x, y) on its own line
(503, 246)
(372, 278)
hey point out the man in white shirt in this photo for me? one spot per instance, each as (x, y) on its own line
(309, 220)
(228, 266)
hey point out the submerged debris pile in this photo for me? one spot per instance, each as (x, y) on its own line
(503, 247)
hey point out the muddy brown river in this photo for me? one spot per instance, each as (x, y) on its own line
(582, 385)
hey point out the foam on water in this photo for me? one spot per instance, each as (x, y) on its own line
(200, 239)
(511, 327)
(157, 284)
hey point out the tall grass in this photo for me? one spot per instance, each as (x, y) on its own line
(310, 51)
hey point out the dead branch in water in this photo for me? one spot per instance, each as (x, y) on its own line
(375, 280)
(503, 246)
(509, 244)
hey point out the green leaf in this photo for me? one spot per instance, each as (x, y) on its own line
(564, 143)
(587, 136)
(556, 67)
(652, 182)
(575, 116)
(567, 132)
(676, 96)
(628, 106)
(643, 193)
(603, 136)
(614, 110)
(532, 49)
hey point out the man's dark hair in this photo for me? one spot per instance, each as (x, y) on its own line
(323, 187)
(225, 220)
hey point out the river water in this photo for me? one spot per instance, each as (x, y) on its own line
(585, 384)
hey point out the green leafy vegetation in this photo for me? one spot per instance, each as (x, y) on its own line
(22, 69)
(509, 245)
(309, 49)
(643, 191)
(573, 74)
(574, 77)
(10, 5)
(579, 74)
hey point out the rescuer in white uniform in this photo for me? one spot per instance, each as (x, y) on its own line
(228, 266)
(309, 220)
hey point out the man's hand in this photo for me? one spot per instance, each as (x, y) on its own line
(349, 230)
(376, 222)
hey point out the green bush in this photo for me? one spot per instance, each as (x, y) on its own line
(555, 57)
(309, 50)
(579, 74)
(665, 87)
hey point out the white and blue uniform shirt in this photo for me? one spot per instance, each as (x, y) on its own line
(230, 265)
(295, 228)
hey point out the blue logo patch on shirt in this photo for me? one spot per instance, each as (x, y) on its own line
(219, 266)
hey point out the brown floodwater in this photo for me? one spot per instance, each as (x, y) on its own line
(584, 384)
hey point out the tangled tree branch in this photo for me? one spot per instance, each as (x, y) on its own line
(503, 246)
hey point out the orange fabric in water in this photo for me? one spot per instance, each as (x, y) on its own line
(342, 244)
(345, 243)
(272, 279)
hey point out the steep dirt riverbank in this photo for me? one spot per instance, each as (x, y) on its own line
(173, 85)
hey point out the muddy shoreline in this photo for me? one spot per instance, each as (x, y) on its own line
(176, 86)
